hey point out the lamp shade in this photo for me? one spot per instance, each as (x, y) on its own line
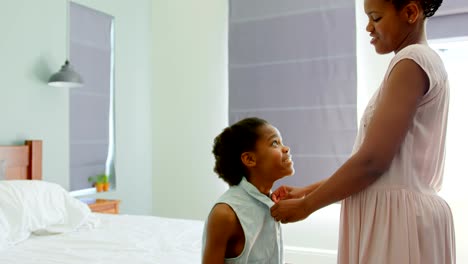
(66, 77)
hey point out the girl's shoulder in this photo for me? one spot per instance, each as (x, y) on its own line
(223, 214)
(223, 219)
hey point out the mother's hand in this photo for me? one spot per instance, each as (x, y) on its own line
(291, 210)
(285, 192)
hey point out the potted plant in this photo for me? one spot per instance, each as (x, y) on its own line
(100, 182)
(104, 179)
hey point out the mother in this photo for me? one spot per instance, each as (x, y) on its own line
(391, 212)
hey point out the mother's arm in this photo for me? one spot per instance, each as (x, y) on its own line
(394, 113)
(403, 90)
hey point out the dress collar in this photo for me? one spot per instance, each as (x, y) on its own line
(255, 193)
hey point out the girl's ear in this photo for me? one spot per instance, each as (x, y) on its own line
(411, 12)
(248, 159)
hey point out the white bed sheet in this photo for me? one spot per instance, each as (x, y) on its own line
(116, 239)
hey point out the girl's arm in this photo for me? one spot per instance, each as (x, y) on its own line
(222, 225)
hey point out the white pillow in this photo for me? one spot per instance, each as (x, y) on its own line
(2, 169)
(32, 206)
(3, 223)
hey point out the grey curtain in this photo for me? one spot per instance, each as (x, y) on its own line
(90, 54)
(450, 21)
(294, 64)
(448, 26)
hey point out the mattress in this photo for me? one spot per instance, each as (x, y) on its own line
(115, 239)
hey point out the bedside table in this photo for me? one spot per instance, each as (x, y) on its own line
(104, 206)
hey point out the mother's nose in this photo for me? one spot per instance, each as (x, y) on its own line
(369, 27)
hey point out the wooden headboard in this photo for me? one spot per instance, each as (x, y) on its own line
(23, 162)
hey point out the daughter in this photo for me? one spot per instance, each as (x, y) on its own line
(250, 157)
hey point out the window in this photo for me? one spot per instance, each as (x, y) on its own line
(91, 106)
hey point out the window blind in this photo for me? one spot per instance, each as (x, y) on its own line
(448, 26)
(293, 63)
(90, 105)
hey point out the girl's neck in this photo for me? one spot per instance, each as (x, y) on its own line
(262, 185)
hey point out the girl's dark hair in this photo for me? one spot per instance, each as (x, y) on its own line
(230, 144)
(429, 6)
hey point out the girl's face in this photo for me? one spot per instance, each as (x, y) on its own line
(388, 27)
(272, 157)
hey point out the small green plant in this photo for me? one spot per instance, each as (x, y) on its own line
(100, 181)
(103, 178)
(100, 178)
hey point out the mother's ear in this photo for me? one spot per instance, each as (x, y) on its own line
(412, 12)
(248, 159)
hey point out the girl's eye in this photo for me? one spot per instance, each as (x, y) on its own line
(376, 19)
(275, 143)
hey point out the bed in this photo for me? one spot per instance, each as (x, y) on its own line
(41, 223)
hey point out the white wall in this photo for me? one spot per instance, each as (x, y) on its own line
(189, 104)
(33, 46)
